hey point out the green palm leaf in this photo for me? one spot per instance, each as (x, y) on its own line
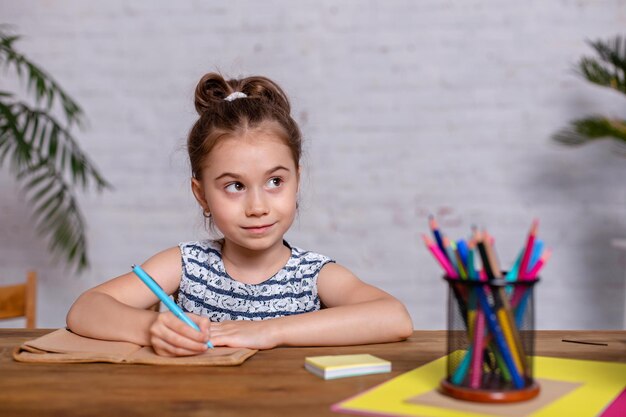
(607, 69)
(585, 130)
(45, 157)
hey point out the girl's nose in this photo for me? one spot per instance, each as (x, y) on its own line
(256, 204)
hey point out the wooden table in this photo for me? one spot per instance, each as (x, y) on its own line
(621, 244)
(270, 383)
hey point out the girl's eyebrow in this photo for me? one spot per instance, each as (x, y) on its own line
(236, 176)
(276, 168)
(226, 174)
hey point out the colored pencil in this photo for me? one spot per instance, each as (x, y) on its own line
(477, 354)
(537, 252)
(492, 259)
(440, 257)
(449, 252)
(459, 374)
(165, 299)
(506, 315)
(460, 264)
(471, 267)
(434, 227)
(523, 268)
(520, 298)
(532, 274)
(496, 331)
(518, 295)
(512, 273)
(462, 250)
(501, 305)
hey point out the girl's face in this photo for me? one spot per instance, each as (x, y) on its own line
(249, 185)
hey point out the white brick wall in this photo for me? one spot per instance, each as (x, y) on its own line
(408, 108)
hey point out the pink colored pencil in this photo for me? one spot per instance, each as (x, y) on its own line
(532, 274)
(482, 275)
(522, 274)
(539, 264)
(443, 261)
(476, 369)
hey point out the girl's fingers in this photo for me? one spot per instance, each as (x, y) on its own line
(243, 333)
(163, 348)
(204, 323)
(175, 324)
(173, 337)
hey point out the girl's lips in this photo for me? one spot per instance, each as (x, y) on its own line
(259, 229)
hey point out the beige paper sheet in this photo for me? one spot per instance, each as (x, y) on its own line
(551, 390)
(63, 346)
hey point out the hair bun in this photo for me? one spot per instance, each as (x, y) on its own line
(266, 89)
(211, 90)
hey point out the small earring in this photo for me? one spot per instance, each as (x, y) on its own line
(206, 213)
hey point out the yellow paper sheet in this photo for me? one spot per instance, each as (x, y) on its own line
(602, 381)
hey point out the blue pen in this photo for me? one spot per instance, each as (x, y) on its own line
(171, 305)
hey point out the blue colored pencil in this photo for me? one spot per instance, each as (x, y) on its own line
(171, 305)
(434, 227)
(498, 335)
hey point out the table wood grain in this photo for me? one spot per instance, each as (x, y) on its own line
(270, 383)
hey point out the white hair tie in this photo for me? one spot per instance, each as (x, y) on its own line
(235, 96)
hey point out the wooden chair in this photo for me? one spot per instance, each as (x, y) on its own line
(20, 300)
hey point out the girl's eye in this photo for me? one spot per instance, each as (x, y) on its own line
(274, 182)
(235, 187)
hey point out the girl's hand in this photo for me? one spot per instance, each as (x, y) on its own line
(243, 333)
(170, 336)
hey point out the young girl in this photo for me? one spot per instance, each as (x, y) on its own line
(251, 288)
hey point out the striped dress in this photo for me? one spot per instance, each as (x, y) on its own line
(206, 289)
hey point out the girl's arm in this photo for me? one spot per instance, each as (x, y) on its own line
(117, 310)
(356, 313)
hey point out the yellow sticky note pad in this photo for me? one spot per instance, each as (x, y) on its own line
(339, 366)
(600, 383)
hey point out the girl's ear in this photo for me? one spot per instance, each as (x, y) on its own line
(198, 192)
(298, 176)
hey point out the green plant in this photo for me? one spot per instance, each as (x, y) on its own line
(43, 154)
(608, 69)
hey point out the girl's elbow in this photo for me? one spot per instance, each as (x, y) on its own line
(404, 323)
(406, 328)
(72, 317)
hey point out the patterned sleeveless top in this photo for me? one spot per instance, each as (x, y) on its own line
(206, 288)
